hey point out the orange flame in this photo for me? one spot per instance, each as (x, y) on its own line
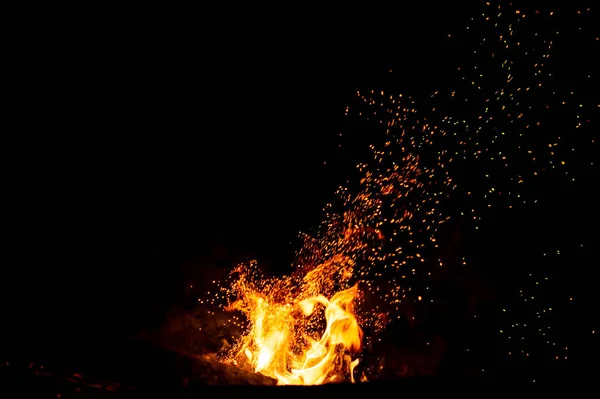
(298, 336)
(280, 342)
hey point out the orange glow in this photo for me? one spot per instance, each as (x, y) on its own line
(302, 339)
(302, 329)
(279, 346)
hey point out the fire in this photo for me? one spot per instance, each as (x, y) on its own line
(302, 329)
(282, 342)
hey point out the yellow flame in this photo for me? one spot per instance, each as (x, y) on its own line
(297, 335)
(280, 346)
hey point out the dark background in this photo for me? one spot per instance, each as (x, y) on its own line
(146, 142)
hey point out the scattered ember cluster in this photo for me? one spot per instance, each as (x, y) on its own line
(515, 124)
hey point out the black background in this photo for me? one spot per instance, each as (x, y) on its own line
(144, 142)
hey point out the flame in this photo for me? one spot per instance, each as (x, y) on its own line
(295, 334)
(302, 329)
(281, 342)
